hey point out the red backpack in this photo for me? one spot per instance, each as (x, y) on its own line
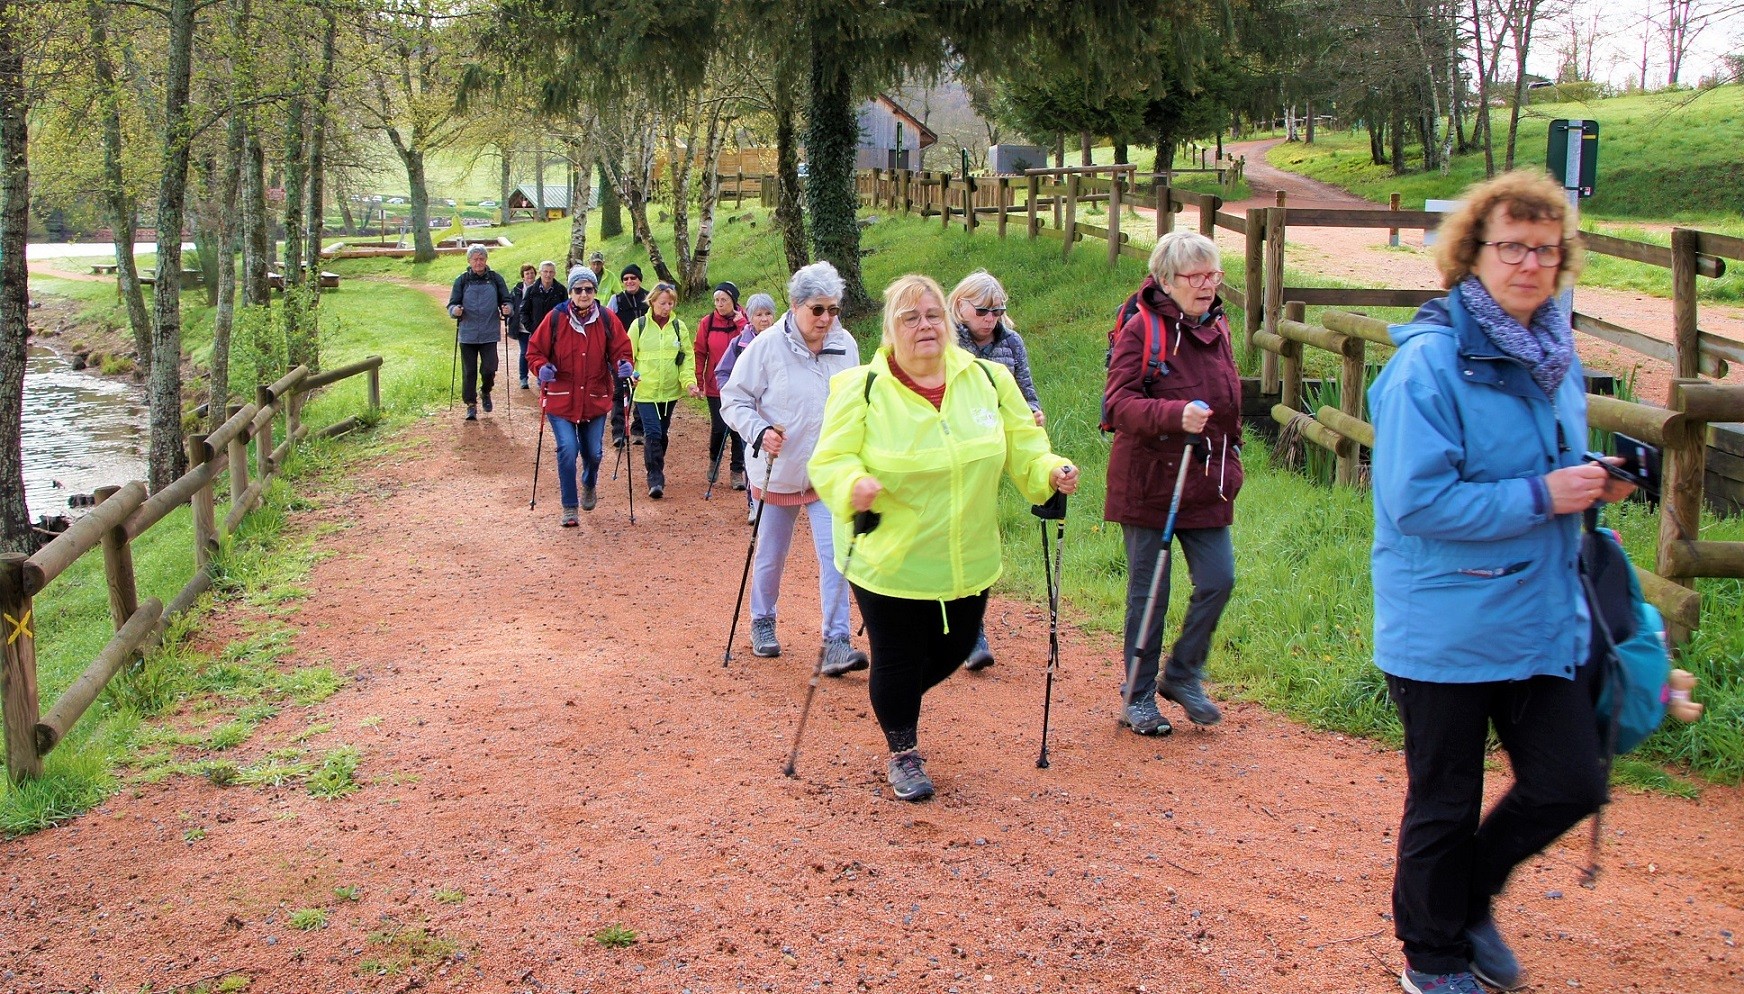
(1156, 360)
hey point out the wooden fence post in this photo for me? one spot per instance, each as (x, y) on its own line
(20, 706)
(1290, 360)
(1253, 294)
(1208, 217)
(373, 377)
(1165, 208)
(1280, 198)
(1114, 220)
(263, 439)
(1683, 303)
(1393, 233)
(1004, 203)
(1274, 299)
(1680, 503)
(1035, 193)
(1071, 222)
(205, 528)
(118, 568)
(1353, 376)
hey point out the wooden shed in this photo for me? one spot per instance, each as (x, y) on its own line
(524, 202)
(890, 137)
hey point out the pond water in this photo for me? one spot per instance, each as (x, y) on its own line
(81, 431)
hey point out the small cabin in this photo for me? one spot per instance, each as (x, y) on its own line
(524, 202)
(890, 137)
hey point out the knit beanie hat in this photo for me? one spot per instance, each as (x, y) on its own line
(631, 270)
(731, 290)
(582, 274)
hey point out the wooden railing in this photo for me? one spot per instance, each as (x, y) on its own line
(122, 515)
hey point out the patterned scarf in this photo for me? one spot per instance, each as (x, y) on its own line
(1546, 346)
(578, 322)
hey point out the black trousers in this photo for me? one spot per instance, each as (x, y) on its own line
(621, 393)
(915, 646)
(720, 433)
(1450, 864)
(478, 370)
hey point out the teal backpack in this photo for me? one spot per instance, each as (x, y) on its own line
(1631, 644)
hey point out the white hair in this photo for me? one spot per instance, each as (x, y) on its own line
(1179, 250)
(473, 250)
(818, 280)
(760, 302)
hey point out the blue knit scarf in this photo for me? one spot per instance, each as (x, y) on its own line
(1546, 346)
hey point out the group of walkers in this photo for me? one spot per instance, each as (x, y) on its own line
(1479, 487)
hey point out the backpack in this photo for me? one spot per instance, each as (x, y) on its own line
(1635, 665)
(1156, 360)
(642, 324)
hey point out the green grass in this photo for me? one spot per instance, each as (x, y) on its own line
(615, 937)
(307, 919)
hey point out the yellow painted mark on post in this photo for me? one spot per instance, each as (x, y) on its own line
(20, 626)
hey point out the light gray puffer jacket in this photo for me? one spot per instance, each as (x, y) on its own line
(778, 381)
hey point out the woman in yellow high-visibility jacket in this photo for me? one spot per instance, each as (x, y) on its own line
(920, 436)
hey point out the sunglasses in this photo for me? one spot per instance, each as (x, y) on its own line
(982, 312)
(658, 287)
(817, 310)
(581, 289)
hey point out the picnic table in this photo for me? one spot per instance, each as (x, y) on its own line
(104, 269)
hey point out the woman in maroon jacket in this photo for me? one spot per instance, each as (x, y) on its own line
(715, 334)
(1151, 399)
(576, 352)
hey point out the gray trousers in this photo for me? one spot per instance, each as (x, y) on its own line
(1210, 555)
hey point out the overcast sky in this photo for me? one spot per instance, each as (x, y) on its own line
(1623, 24)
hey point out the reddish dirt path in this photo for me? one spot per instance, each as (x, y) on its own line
(1361, 257)
(546, 728)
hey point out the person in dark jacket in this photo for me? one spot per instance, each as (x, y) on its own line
(517, 303)
(716, 333)
(578, 352)
(536, 302)
(1195, 390)
(628, 304)
(478, 303)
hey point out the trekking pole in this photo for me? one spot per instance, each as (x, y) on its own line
(1163, 558)
(715, 467)
(454, 367)
(508, 392)
(1054, 510)
(538, 450)
(629, 464)
(864, 521)
(750, 552)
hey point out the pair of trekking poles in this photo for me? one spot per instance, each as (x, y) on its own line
(454, 370)
(630, 472)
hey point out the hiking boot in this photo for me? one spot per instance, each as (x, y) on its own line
(1491, 960)
(657, 491)
(714, 472)
(588, 499)
(1143, 717)
(738, 479)
(488, 406)
(617, 441)
(570, 518)
(472, 412)
(980, 657)
(763, 637)
(907, 776)
(524, 383)
(1416, 982)
(1190, 694)
(841, 657)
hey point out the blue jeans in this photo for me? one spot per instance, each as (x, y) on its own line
(774, 538)
(1210, 556)
(571, 437)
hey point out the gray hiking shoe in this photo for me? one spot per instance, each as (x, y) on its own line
(589, 499)
(763, 637)
(1491, 960)
(1417, 982)
(1143, 717)
(1190, 694)
(907, 776)
(841, 657)
(570, 519)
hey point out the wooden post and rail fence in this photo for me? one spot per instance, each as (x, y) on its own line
(122, 514)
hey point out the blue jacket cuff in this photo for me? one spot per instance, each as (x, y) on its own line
(1540, 496)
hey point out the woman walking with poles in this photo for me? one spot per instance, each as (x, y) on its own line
(657, 341)
(775, 401)
(478, 303)
(920, 438)
(575, 353)
(1173, 388)
(716, 333)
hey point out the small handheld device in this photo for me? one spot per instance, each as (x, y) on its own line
(1641, 460)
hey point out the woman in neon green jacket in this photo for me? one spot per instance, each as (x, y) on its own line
(920, 436)
(663, 375)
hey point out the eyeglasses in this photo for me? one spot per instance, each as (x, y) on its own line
(817, 310)
(1514, 253)
(1201, 280)
(982, 312)
(914, 319)
(581, 289)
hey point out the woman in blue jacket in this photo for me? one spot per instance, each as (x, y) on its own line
(1480, 622)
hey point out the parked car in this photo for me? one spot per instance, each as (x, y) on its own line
(487, 203)
(397, 200)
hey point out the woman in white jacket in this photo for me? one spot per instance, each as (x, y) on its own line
(774, 399)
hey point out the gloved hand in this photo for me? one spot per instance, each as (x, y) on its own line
(547, 373)
(625, 370)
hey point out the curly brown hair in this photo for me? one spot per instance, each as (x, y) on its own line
(1523, 195)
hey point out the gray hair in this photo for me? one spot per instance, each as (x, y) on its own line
(819, 279)
(548, 262)
(1179, 250)
(760, 302)
(473, 250)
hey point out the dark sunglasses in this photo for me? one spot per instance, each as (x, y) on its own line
(817, 310)
(982, 312)
(581, 289)
(658, 287)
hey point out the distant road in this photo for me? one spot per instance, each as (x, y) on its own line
(78, 250)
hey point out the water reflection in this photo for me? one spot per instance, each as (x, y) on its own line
(80, 431)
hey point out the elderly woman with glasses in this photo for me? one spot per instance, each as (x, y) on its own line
(1480, 619)
(1172, 379)
(578, 353)
(774, 400)
(920, 437)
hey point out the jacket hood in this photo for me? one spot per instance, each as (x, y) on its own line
(1432, 318)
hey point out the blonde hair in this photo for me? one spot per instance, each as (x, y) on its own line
(978, 289)
(663, 290)
(1523, 195)
(904, 296)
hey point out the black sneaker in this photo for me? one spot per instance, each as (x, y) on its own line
(472, 412)
(656, 491)
(1190, 694)
(488, 406)
(981, 656)
(617, 441)
(907, 776)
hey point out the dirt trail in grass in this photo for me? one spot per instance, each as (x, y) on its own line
(1360, 256)
(550, 746)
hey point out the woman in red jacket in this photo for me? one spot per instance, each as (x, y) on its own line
(575, 352)
(715, 334)
(1157, 398)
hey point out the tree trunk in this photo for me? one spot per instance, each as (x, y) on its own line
(1527, 13)
(1120, 152)
(118, 208)
(1084, 144)
(224, 317)
(788, 215)
(611, 209)
(256, 231)
(412, 156)
(1396, 132)
(296, 169)
(581, 154)
(167, 460)
(696, 274)
(1378, 142)
(1309, 139)
(316, 226)
(538, 185)
(1060, 150)
(1481, 127)
(833, 133)
(680, 165)
(15, 533)
(505, 181)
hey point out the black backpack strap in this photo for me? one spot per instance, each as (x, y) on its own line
(871, 374)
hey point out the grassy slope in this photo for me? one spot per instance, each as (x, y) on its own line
(1295, 636)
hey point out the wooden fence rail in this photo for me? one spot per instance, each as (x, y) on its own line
(123, 514)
